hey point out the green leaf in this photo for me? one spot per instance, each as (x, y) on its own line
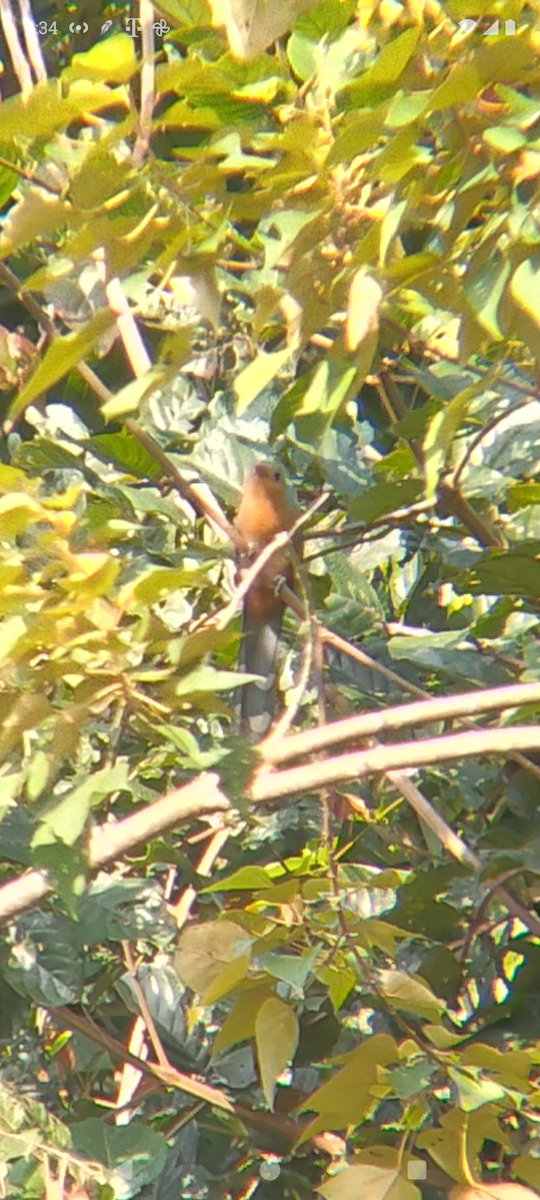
(12, 629)
(157, 584)
(257, 375)
(26, 712)
(507, 141)
(65, 821)
(246, 879)
(357, 133)
(405, 108)
(228, 979)
(204, 949)
(521, 495)
(302, 53)
(339, 981)
(410, 993)
(462, 84)
(8, 179)
(138, 1147)
(390, 226)
(239, 1024)
(525, 289)
(130, 397)
(36, 214)
(381, 78)
(369, 1180)
(347, 1097)
(326, 20)
(208, 679)
(124, 451)
(111, 60)
(384, 498)
(473, 1093)
(289, 968)
(440, 435)
(485, 286)
(508, 573)
(190, 13)
(314, 409)
(63, 354)
(276, 1039)
(47, 108)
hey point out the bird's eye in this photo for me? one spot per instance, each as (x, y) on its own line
(277, 476)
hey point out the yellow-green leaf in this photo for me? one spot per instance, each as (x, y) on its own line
(257, 375)
(410, 993)
(204, 950)
(112, 60)
(371, 1182)
(63, 354)
(240, 1022)
(276, 1039)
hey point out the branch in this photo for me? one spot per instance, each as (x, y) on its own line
(272, 785)
(419, 345)
(167, 1075)
(32, 41)
(140, 364)
(146, 16)
(344, 647)
(452, 503)
(441, 708)
(127, 328)
(200, 798)
(18, 57)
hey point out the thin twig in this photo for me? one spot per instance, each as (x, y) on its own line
(482, 372)
(30, 177)
(338, 643)
(344, 647)
(453, 503)
(476, 919)
(182, 909)
(128, 329)
(482, 433)
(36, 311)
(146, 17)
(130, 1077)
(144, 1010)
(191, 492)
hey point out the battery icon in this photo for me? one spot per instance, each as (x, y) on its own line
(509, 26)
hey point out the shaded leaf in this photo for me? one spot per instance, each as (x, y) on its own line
(276, 1039)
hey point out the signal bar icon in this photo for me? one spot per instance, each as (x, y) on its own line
(509, 27)
(467, 25)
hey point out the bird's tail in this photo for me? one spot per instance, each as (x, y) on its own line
(258, 656)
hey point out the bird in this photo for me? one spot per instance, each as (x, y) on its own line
(268, 506)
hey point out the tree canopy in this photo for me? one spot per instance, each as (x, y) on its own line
(307, 233)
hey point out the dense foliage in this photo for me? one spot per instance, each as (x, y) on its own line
(312, 235)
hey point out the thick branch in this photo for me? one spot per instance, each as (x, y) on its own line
(440, 708)
(201, 798)
(272, 785)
